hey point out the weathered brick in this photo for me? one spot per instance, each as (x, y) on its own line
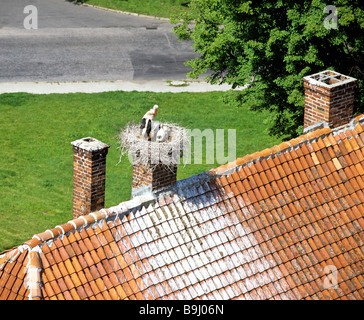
(158, 176)
(329, 102)
(89, 167)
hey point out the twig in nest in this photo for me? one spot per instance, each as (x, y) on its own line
(153, 153)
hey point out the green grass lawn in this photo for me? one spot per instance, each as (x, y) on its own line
(156, 8)
(36, 159)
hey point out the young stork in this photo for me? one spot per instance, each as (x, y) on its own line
(147, 123)
(163, 133)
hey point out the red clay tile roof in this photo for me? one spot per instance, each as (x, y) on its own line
(277, 224)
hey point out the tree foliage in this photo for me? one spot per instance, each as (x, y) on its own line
(271, 45)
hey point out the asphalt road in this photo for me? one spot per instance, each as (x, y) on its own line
(77, 43)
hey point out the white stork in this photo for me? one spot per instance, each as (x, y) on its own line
(147, 123)
(163, 133)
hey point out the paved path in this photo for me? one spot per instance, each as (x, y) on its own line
(102, 86)
(78, 43)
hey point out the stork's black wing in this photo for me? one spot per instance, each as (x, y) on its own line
(149, 127)
(142, 123)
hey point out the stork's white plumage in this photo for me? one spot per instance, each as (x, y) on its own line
(147, 123)
(163, 133)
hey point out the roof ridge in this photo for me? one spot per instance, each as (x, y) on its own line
(226, 168)
(86, 220)
(309, 136)
(33, 280)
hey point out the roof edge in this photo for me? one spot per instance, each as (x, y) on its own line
(309, 136)
(224, 169)
(81, 222)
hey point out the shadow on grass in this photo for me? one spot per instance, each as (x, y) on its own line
(77, 2)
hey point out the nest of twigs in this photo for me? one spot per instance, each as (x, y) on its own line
(152, 153)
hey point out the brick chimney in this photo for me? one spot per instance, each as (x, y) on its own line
(89, 166)
(152, 178)
(329, 99)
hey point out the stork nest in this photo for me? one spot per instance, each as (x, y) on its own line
(152, 153)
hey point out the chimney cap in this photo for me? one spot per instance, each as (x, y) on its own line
(90, 144)
(328, 79)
